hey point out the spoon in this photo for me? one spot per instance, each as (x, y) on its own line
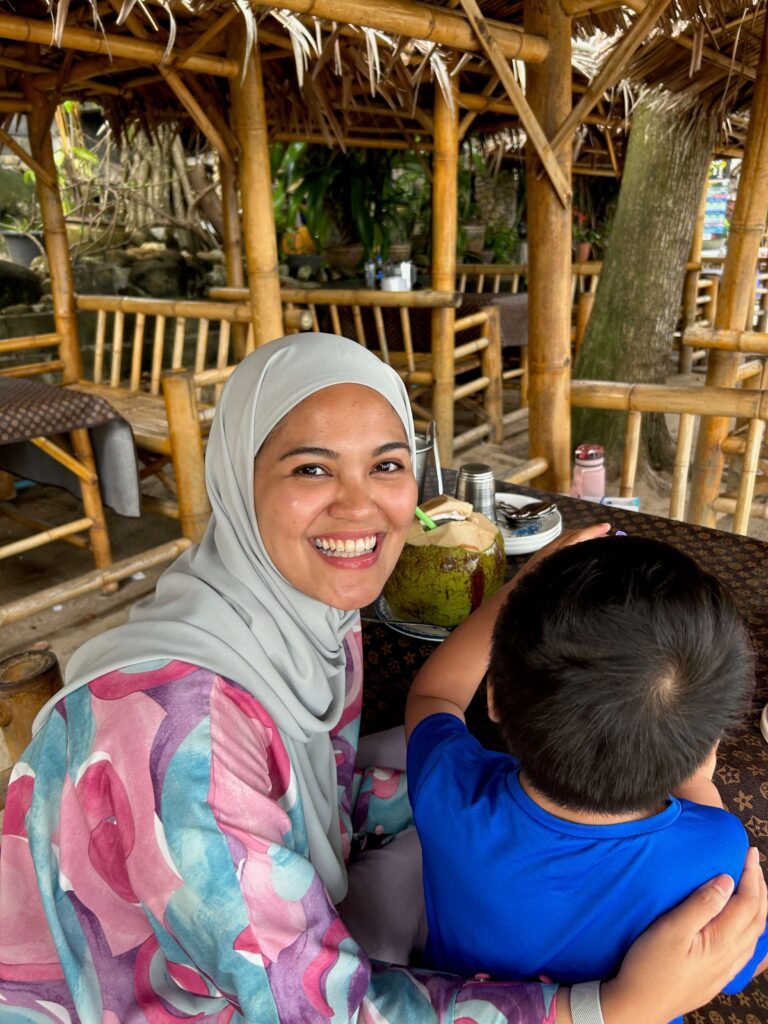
(535, 510)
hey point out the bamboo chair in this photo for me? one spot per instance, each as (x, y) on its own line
(70, 449)
(479, 357)
(392, 324)
(746, 440)
(689, 404)
(139, 368)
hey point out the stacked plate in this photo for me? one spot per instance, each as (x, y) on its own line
(532, 535)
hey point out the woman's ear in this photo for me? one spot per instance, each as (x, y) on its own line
(492, 714)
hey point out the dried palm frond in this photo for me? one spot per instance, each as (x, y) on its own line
(302, 40)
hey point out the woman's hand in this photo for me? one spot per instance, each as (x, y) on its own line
(686, 957)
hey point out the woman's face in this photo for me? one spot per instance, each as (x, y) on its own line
(334, 494)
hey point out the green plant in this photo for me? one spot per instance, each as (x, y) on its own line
(504, 241)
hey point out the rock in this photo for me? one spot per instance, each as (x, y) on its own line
(18, 308)
(18, 285)
(160, 278)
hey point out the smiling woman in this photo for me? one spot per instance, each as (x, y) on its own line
(178, 834)
(334, 511)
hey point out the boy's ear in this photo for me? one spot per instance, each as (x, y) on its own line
(492, 713)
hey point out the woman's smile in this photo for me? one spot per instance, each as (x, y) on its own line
(334, 494)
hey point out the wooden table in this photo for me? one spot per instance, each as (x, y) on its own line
(742, 768)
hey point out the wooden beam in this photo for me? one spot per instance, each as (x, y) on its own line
(494, 105)
(445, 163)
(611, 71)
(423, 21)
(356, 141)
(713, 57)
(549, 257)
(25, 157)
(249, 121)
(735, 293)
(198, 115)
(536, 136)
(90, 41)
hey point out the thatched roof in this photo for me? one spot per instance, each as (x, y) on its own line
(161, 60)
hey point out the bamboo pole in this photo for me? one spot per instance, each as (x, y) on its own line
(611, 71)
(755, 342)
(747, 228)
(186, 452)
(549, 256)
(198, 115)
(445, 162)
(536, 136)
(14, 611)
(26, 30)
(56, 245)
(691, 288)
(249, 120)
(423, 21)
(233, 243)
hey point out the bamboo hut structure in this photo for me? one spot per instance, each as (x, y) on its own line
(417, 74)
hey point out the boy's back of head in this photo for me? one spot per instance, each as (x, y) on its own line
(616, 666)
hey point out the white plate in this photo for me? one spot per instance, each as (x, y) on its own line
(518, 543)
(420, 630)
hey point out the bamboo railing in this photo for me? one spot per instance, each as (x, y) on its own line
(689, 403)
(480, 356)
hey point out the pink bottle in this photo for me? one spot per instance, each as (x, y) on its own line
(588, 472)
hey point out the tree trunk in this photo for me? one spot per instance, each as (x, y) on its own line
(637, 304)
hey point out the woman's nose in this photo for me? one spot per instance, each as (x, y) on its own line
(352, 499)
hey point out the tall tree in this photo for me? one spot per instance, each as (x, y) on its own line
(637, 304)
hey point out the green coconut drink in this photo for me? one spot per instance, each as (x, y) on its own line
(444, 574)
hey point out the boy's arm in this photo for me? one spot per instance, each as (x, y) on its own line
(449, 678)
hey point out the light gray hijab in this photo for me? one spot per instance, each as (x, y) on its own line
(224, 606)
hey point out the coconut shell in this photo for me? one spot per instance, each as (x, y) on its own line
(442, 585)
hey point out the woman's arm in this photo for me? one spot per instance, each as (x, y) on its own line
(686, 957)
(448, 680)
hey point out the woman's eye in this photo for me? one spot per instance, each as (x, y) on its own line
(309, 471)
(388, 466)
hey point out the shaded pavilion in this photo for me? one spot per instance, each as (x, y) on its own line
(376, 75)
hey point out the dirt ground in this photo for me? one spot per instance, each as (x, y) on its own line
(65, 627)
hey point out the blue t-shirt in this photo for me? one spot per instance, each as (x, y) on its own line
(517, 892)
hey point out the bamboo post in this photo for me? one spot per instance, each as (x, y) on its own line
(445, 162)
(60, 269)
(549, 255)
(92, 505)
(691, 288)
(747, 228)
(233, 244)
(249, 121)
(186, 452)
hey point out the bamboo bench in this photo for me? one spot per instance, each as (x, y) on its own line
(397, 326)
(689, 404)
(163, 384)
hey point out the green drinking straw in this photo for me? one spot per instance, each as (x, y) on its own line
(424, 518)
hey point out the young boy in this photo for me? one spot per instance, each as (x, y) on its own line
(614, 667)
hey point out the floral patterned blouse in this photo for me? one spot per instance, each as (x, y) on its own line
(153, 869)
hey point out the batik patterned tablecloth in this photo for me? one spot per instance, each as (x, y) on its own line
(742, 768)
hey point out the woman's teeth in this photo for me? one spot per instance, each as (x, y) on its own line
(345, 548)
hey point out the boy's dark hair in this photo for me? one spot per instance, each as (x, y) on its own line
(616, 665)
